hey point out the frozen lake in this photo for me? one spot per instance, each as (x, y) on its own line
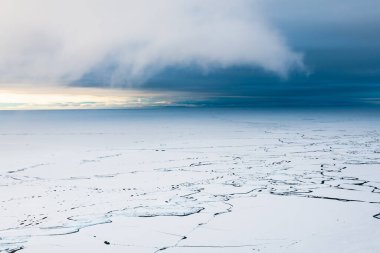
(190, 180)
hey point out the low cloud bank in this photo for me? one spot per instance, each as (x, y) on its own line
(55, 41)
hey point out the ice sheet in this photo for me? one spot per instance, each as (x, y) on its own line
(185, 180)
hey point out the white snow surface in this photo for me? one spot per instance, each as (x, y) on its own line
(189, 180)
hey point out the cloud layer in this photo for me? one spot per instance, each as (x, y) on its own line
(54, 41)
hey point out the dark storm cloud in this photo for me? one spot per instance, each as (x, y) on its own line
(340, 41)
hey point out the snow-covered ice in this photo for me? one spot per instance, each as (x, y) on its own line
(189, 180)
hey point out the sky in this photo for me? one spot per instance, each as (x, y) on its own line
(189, 52)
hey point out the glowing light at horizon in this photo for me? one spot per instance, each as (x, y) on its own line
(78, 98)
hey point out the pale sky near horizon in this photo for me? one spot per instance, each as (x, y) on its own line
(57, 98)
